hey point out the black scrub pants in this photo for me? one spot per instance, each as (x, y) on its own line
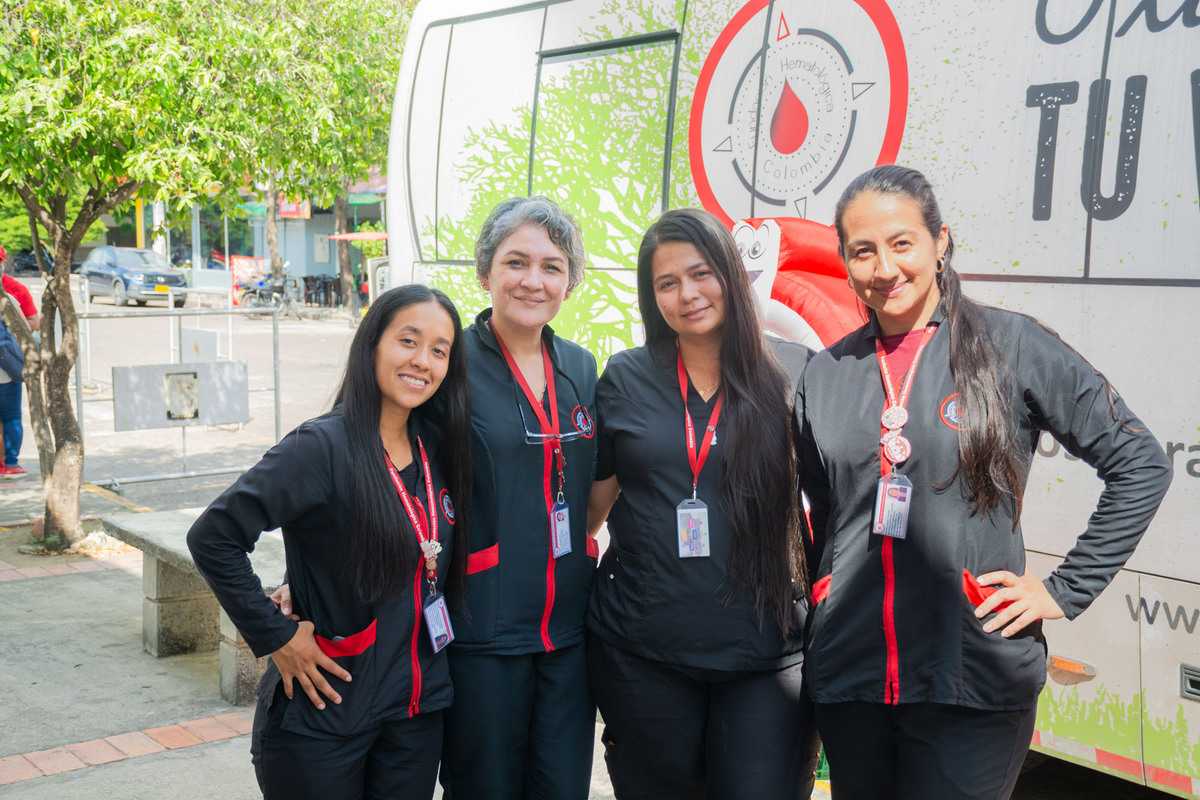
(676, 733)
(917, 751)
(395, 760)
(521, 727)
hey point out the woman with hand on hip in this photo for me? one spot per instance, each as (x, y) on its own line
(925, 647)
(352, 701)
(694, 651)
(523, 721)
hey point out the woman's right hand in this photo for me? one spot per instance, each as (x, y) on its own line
(302, 660)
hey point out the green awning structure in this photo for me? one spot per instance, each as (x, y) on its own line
(365, 198)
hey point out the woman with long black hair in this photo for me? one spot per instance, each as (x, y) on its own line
(351, 703)
(695, 653)
(925, 649)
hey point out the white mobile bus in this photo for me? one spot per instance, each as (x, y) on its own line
(1062, 136)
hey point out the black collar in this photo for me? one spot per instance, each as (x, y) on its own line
(484, 331)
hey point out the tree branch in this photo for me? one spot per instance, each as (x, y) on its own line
(36, 211)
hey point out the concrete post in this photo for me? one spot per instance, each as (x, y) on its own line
(179, 612)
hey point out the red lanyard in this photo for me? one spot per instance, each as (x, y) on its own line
(897, 404)
(696, 462)
(425, 526)
(549, 425)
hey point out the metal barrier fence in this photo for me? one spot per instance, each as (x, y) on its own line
(174, 318)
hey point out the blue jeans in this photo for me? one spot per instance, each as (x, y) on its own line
(10, 416)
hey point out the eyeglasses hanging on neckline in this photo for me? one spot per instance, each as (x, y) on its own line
(540, 438)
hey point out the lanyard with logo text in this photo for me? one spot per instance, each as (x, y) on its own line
(560, 516)
(691, 515)
(894, 494)
(425, 526)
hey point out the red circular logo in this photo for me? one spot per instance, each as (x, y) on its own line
(793, 101)
(950, 412)
(581, 418)
(447, 505)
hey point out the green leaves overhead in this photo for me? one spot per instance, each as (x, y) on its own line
(190, 97)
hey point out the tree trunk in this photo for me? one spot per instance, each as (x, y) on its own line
(349, 285)
(273, 230)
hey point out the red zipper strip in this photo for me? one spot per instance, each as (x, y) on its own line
(414, 702)
(891, 680)
(551, 451)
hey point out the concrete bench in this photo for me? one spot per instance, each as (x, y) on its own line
(179, 612)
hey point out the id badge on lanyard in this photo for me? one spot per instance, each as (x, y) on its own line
(691, 525)
(691, 515)
(560, 528)
(437, 622)
(892, 501)
(893, 494)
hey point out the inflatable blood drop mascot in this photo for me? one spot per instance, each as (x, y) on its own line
(799, 280)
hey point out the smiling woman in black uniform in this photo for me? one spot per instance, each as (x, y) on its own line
(925, 652)
(695, 655)
(363, 495)
(523, 721)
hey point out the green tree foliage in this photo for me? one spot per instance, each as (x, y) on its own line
(171, 100)
(599, 152)
(340, 103)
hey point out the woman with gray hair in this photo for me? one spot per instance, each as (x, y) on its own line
(523, 720)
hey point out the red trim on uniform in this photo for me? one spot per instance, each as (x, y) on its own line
(551, 448)
(891, 680)
(976, 594)
(483, 560)
(820, 590)
(352, 645)
(414, 702)
(1129, 766)
(593, 547)
(891, 683)
(547, 642)
(1169, 779)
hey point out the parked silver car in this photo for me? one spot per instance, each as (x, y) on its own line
(131, 275)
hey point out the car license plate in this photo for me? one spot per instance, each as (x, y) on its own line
(162, 289)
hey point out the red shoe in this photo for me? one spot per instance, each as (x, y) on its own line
(13, 473)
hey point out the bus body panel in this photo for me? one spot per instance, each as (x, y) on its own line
(1063, 139)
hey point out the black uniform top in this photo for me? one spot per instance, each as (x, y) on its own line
(301, 485)
(521, 599)
(939, 652)
(648, 600)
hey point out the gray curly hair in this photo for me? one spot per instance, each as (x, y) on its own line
(538, 210)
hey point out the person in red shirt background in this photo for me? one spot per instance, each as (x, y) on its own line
(10, 389)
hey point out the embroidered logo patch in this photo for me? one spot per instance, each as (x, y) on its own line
(951, 412)
(582, 421)
(447, 506)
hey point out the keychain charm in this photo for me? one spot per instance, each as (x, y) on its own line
(895, 417)
(430, 548)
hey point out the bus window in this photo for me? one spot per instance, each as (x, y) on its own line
(585, 21)
(599, 142)
(422, 126)
(490, 77)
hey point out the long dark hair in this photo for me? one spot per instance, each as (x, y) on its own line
(988, 458)
(759, 489)
(383, 553)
